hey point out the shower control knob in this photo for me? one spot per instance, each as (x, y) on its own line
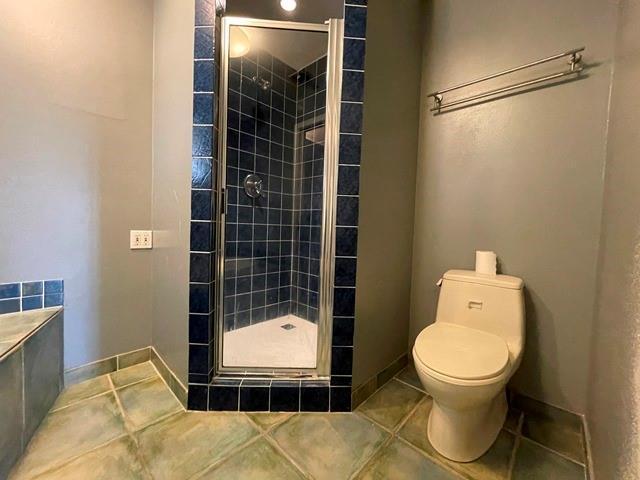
(253, 185)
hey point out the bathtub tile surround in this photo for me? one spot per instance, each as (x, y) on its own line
(274, 395)
(127, 424)
(30, 375)
(23, 296)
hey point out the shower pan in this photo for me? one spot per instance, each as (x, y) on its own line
(279, 131)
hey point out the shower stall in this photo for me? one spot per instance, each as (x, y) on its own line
(279, 135)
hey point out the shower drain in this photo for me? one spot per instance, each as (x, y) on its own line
(287, 326)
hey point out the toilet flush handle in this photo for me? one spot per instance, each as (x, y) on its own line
(439, 283)
(475, 304)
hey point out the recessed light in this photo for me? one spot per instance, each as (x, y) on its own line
(239, 43)
(288, 5)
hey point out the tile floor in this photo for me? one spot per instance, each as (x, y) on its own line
(128, 425)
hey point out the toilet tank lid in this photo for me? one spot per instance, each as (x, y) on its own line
(470, 276)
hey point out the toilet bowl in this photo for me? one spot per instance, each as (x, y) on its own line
(465, 359)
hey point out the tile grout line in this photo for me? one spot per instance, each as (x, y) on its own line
(130, 431)
(119, 404)
(76, 402)
(396, 434)
(226, 457)
(551, 450)
(516, 445)
(438, 461)
(404, 421)
(409, 385)
(372, 457)
(273, 442)
(82, 400)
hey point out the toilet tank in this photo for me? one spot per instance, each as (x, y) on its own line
(494, 304)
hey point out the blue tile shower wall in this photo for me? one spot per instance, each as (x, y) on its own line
(344, 292)
(260, 140)
(23, 296)
(308, 184)
(280, 395)
(204, 168)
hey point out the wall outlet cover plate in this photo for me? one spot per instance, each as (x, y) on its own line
(141, 239)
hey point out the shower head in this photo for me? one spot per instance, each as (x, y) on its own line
(261, 82)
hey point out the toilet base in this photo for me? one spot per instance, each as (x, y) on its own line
(465, 435)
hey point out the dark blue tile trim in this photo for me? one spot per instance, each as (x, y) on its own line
(53, 300)
(254, 398)
(353, 57)
(10, 306)
(9, 290)
(32, 288)
(314, 398)
(206, 12)
(340, 399)
(350, 148)
(31, 295)
(341, 360)
(285, 396)
(343, 329)
(355, 22)
(203, 43)
(198, 397)
(32, 303)
(224, 397)
(204, 166)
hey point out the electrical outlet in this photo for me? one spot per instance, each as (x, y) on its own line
(141, 239)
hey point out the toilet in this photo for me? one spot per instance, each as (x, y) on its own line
(465, 359)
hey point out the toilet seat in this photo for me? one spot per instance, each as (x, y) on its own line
(461, 353)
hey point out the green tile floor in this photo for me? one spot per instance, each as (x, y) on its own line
(128, 425)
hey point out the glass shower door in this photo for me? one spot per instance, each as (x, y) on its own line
(274, 182)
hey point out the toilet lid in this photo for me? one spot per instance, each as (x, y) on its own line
(461, 352)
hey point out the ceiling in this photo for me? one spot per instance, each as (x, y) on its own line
(294, 47)
(313, 11)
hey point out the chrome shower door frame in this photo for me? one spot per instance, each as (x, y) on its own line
(335, 30)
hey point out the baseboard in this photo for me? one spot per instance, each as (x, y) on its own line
(171, 379)
(106, 365)
(364, 391)
(587, 443)
(124, 360)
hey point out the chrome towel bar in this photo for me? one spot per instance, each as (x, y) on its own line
(575, 67)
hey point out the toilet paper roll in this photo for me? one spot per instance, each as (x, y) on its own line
(486, 263)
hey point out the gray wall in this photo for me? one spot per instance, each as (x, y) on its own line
(75, 163)
(521, 176)
(614, 393)
(172, 118)
(387, 184)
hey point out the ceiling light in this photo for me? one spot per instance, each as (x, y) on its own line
(288, 5)
(239, 44)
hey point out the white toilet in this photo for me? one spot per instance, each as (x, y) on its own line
(465, 359)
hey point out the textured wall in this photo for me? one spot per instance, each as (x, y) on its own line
(75, 163)
(521, 175)
(614, 391)
(172, 103)
(387, 185)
